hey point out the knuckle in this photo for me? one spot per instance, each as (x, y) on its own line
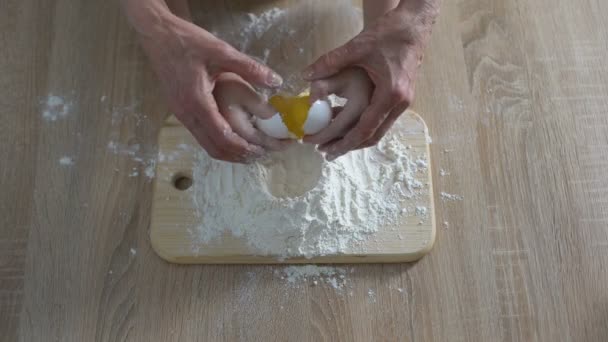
(321, 87)
(252, 67)
(215, 154)
(399, 94)
(364, 133)
(402, 92)
(224, 50)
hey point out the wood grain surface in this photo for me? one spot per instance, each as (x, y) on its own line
(515, 96)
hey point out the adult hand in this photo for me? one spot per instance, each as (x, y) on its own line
(238, 102)
(352, 84)
(188, 60)
(390, 51)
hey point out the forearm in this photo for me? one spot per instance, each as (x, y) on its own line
(159, 30)
(149, 18)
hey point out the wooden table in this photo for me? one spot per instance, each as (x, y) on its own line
(515, 95)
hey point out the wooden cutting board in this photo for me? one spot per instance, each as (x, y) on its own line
(174, 216)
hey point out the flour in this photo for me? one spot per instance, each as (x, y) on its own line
(371, 294)
(66, 161)
(421, 211)
(55, 107)
(451, 197)
(296, 204)
(333, 276)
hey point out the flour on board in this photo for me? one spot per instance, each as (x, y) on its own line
(296, 204)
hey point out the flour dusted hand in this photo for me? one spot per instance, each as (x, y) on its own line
(238, 103)
(188, 60)
(390, 50)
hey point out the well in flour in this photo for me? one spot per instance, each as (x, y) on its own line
(295, 204)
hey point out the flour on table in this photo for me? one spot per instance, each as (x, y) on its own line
(297, 204)
(66, 161)
(55, 107)
(451, 197)
(371, 294)
(297, 275)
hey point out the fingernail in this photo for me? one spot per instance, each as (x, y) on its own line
(274, 80)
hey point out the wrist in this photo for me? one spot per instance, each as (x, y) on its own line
(152, 20)
(419, 16)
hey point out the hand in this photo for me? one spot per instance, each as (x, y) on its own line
(238, 102)
(390, 51)
(354, 85)
(188, 60)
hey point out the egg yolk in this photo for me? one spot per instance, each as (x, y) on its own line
(293, 111)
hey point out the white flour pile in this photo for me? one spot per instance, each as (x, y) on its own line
(296, 204)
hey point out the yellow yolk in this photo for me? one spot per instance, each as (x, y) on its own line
(293, 111)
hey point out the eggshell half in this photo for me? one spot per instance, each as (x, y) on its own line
(273, 127)
(319, 116)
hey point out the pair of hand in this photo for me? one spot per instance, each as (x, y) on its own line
(375, 71)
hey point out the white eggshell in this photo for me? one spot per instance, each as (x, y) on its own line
(319, 116)
(273, 127)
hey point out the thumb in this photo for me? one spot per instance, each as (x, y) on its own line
(251, 70)
(332, 62)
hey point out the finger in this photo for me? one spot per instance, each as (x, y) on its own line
(333, 61)
(249, 69)
(193, 125)
(320, 89)
(240, 122)
(338, 127)
(385, 126)
(368, 124)
(231, 88)
(230, 145)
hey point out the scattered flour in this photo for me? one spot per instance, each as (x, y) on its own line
(66, 161)
(422, 163)
(421, 211)
(295, 275)
(55, 107)
(371, 294)
(259, 24)
(296, 204)
(443, 173)
(450, 197)
(150, 169)
(145, 161)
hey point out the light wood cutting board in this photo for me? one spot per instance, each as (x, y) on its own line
(175, 218)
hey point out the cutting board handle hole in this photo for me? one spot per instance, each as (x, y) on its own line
(182, 181)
